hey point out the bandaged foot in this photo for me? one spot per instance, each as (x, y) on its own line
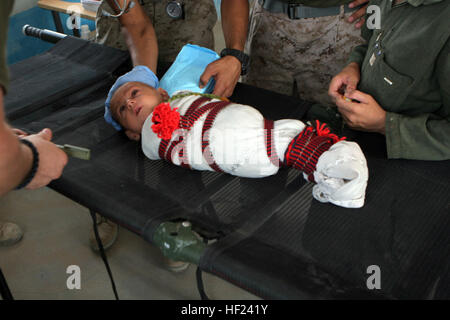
(341, 175)
(338, 167)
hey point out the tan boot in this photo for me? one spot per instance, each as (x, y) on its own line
(107, 231)
(10, 233)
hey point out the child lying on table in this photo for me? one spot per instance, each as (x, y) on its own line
(204, 132)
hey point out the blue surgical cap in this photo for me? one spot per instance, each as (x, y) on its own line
(138, 74)
(183, 74)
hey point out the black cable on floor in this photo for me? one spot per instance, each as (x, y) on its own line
(4, 289)
(102, 253)
(198, 275)
(201, 288)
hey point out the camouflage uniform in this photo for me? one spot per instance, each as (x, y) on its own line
(308, 52)
(196, 27)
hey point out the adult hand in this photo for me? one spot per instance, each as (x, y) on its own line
(345, 82)
(52, 160)
(367, 115)
(358, 15)
(19, 132)
(226, 72)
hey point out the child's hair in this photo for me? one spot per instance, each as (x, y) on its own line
(140, 74)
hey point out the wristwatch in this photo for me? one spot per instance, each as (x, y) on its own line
(241, 56)
(175, 10)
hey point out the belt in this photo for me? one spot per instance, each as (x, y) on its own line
(299, 11)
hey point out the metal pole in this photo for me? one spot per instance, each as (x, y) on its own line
(57, 21)
(43, 34)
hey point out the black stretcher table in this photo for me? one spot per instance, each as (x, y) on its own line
(273, 238)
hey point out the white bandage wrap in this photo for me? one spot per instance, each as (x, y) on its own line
(237, 142)
(341, 175)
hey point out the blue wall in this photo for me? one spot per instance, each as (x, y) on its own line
(19, 46)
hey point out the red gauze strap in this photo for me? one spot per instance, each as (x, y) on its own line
(183, 124)
(305, 149)
(270, 145)
(186, 123)
(194, 106)
(209, 121)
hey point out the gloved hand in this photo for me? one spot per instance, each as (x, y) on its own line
(341, 175)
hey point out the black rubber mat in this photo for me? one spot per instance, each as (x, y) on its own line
(274, 239)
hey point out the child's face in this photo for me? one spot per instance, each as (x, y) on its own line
(131, 105)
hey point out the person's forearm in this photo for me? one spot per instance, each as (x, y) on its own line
(15, 162)
(139, 35)
(15, 158)
(235, 23)
(142, 44)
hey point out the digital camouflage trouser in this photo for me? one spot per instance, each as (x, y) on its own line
(196, 27)
(300, 56)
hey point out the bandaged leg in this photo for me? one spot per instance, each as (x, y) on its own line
(338, 167)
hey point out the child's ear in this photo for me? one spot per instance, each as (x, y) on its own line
(163, 93)
(133, 135)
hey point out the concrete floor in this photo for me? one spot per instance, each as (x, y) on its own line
(56, 236)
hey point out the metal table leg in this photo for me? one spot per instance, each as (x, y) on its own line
(59, 27)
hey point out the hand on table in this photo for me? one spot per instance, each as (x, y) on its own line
(19, 132)
(367, 115)
(226, 72)
(345, 82)
(52, 160)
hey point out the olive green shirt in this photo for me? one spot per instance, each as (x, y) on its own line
(319, 3)
(5, 9)
(405, 66)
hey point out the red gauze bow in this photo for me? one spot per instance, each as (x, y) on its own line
(165, 121)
